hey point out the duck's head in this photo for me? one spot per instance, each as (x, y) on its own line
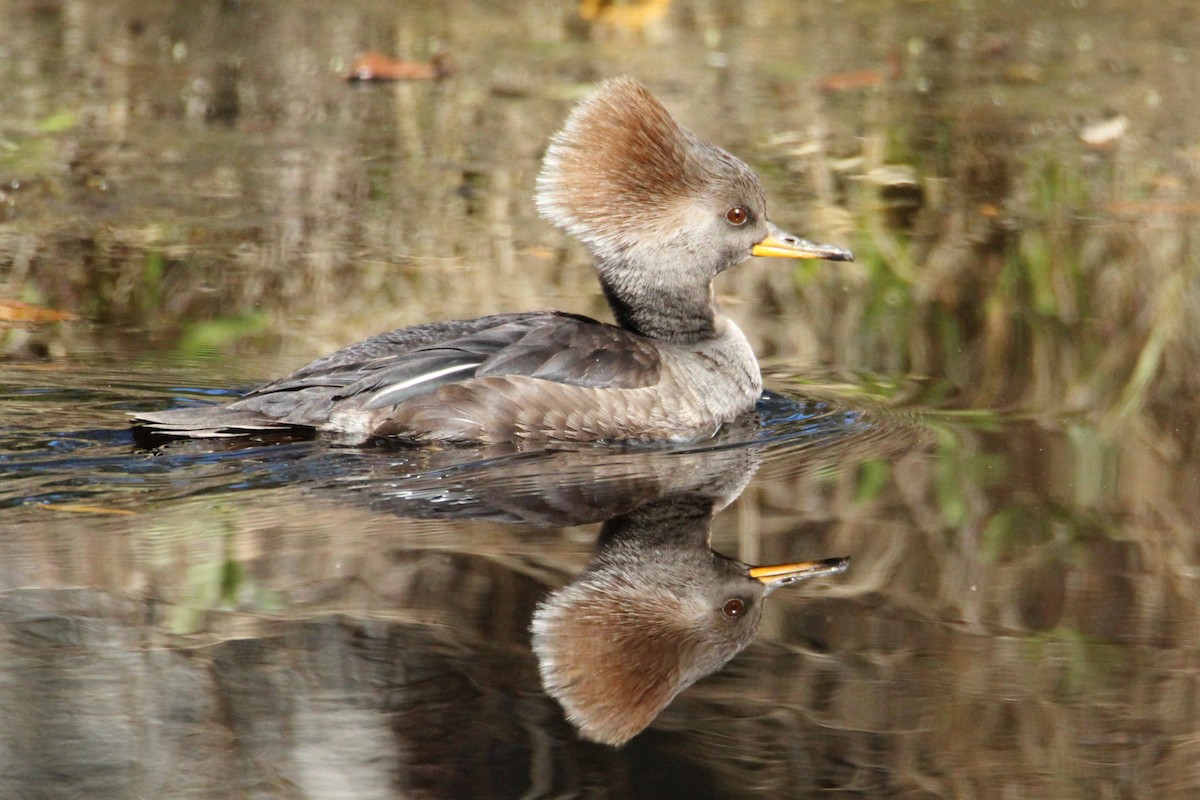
(655, 611)
(655, 204)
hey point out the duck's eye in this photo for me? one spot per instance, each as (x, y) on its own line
(737, 215)
(734, 607)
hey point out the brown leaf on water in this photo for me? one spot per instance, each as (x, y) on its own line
(79, 509)
(862, 78)
(845, 81)
(16, 311)
(378, 67)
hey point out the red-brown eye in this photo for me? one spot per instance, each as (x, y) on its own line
(737, 215)
(733, 607)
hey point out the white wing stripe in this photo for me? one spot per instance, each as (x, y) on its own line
(380, 397)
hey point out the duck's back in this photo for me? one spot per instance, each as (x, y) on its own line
(485, 379)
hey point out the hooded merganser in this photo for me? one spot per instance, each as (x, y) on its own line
(654, 612)
(663, 213)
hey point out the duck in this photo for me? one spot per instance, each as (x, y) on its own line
(662, 213)
(655, 611)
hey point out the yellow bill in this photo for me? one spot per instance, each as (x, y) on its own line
(780, 244)
(778, 575)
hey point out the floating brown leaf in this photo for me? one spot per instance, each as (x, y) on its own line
(863, 78)
(844, 81)
(378, 67)
(16, 311)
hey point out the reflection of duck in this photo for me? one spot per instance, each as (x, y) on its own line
(655, 611)
(579, 484)
(663, 213)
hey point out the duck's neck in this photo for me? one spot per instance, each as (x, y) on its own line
(674, 522)
(683, 313)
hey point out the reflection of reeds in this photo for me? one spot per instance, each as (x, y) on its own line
(1008, 612)
(1036, 299)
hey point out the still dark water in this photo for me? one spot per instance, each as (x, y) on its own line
(992, 411)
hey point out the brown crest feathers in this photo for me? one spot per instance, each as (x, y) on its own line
(609, 654)
(619, 156)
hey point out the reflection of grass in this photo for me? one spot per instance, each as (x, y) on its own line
(35, 150)
(1089, 667)
(58, 122)
(1022, 292)
(873, 475)
(200, 550)
(209, 337)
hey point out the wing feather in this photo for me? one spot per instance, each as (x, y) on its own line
(561, 349)
(393, 368)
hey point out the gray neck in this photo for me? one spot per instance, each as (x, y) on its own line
(672, 522)
(682, 313)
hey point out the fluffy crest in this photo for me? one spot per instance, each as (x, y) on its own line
(621, 163)
(608, 653)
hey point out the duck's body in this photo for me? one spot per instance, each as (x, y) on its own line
(529, 376)
(663, 213)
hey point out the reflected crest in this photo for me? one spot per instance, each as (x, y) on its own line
(654, 612)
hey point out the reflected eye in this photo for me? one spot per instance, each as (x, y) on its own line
(737, 215)
(734, 607)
